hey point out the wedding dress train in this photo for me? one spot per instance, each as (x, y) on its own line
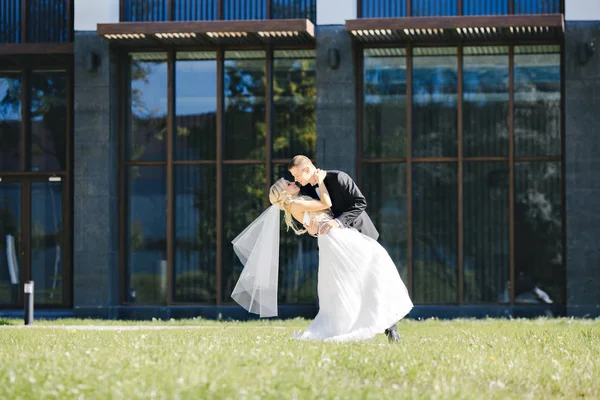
(359, 289)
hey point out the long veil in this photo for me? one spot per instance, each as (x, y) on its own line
(258, 249)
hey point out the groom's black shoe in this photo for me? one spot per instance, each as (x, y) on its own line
(392, 334)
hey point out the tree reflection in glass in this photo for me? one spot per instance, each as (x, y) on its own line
(435, 232)
(485, 101)
(195, 233)
(245, 112)
(10, 121)
(195, 105)
(294, 103)
(48, 120)
(384, 109)
(434, 102)
(486, 250)
(539, 231)
(244, 197)
(537, 101)
(147, 119)
(384, 187)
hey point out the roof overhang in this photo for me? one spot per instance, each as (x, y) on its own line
(504, 28)
(253, 32)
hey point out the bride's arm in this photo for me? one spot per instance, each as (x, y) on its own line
(300, 205)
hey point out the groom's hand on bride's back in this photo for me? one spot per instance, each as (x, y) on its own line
(327, 226)
(313, 228)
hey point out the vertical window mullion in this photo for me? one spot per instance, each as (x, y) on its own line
(124, 97)
(360, 113)
(511, 169)
(170, 194)
(459, 93)
(26, 127)
(409, 238)
(269, 119)
(219, 165)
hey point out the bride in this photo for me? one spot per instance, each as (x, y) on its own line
(359, 289)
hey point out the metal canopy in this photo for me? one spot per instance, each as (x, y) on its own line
(255, 32)
(503, 28)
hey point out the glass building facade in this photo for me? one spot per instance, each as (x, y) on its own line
(176, 170)
(35, 153)
(450, 115)
(461, 161)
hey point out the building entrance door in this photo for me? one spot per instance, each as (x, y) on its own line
(33, 241)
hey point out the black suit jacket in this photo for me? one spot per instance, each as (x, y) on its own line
(349, 204)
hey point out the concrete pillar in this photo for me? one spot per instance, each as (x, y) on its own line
(95, 167)
(336, 101)
(582, 101)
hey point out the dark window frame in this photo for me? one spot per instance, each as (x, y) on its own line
(409, 160)
(26, 177)
(219, 162)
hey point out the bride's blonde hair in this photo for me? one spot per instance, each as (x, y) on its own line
(279, 195)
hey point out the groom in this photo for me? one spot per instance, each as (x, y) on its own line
(348, 205)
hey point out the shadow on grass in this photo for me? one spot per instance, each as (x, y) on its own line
(5, 322)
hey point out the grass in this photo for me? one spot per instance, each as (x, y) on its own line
(543, 358)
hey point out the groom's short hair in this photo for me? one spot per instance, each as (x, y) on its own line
(300, 161)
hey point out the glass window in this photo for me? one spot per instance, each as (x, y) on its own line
(146, 235)
(48, 120)
(10, 242)
(538, 232)
(243, 170)
(384, 186)
(435, 232)
(195, 233)
(434, 102)
(537, 101)
(485, 101)
(195, 106)
(10, 121)
(484, 172)
(486, 234)
(384, 104)
(245, 108)
(147, 122)
(486, 255)
(47, 255)
(244, 197)
(294, 103)
(298, 260)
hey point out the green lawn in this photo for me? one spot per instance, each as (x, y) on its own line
(198, 359)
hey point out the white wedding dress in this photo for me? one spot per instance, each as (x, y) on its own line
(360, 291)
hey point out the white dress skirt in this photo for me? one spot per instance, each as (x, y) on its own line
(359, 288)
